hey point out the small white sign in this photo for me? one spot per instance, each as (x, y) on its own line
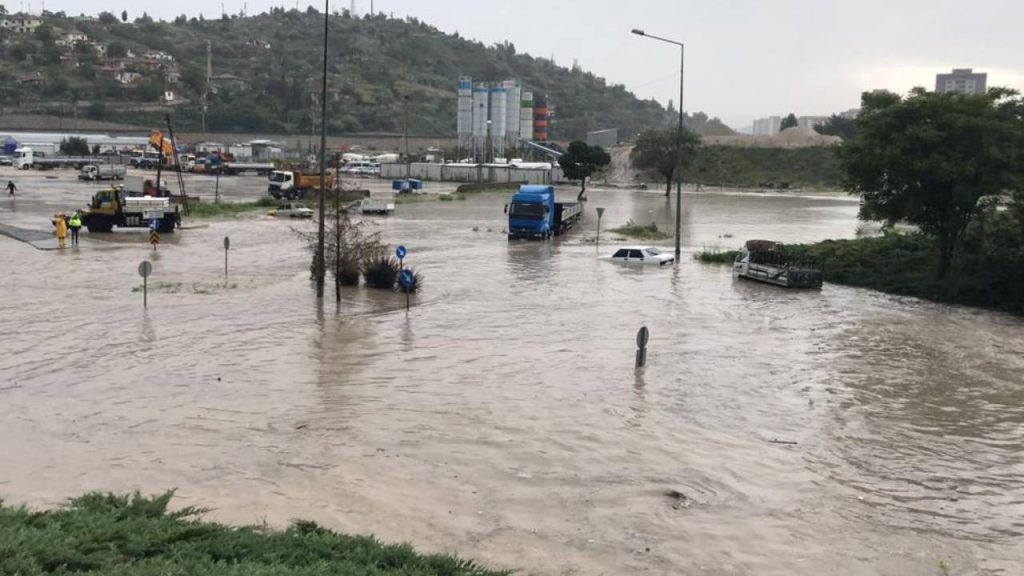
(152, 214)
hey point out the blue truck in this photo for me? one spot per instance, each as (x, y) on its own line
(533, 213)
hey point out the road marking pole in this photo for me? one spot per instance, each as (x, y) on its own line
(642, 336)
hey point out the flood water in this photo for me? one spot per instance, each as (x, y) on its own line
(773, 432)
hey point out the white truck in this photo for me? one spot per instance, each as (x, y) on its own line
(93, 172)
(25, 158)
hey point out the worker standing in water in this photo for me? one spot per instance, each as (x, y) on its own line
(75, 223)
(11, 187)
(62, 229)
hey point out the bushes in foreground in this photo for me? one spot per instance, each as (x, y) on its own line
(106, 534)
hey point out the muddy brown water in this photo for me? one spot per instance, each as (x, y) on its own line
(501, 418)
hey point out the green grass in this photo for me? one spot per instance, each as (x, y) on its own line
(641, 231)
(211, 210)
(715, 256)
(108, 535)
(451, 197)
(489, 187)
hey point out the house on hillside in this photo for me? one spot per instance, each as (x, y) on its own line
(172, 74)
(226, 81)
(158, 55)
(71, 38)
(127, 78)
(100, 48)
(20, 23)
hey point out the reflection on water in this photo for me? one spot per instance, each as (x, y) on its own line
(502, 416)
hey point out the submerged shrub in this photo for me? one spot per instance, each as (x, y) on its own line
(381, 272)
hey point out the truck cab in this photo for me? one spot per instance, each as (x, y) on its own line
(23, 158)
(280, 183)
(530, 212)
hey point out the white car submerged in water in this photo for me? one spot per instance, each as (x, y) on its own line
(648, 255)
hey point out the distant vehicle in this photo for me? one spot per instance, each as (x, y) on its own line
(762, 260)
(112, 207)
(407, 186)
(26, 158)
(93, 172)
(533, 213)
(293, 185)
(376, 206)
(6, 161)
(646, 255)
(361, 168)
(292, 210)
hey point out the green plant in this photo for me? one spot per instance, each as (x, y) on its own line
(716, 256)
(641, 231)
(106, 534)
(381, 272)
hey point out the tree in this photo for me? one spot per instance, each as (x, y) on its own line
(107, 18)
(935, 160)
(44, 33)
(581, 161)
(74, 146)
(656, 150)
(789, 122)
(837, 125)
(124, 16)
(117, 50)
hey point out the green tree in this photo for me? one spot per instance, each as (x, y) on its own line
(789, 122)
(935, 160)
(117, 50)
(656, 150)
(124, 16)
(74, 146)
(582, 160)
(106, 18)
(837, 125)
(44, 33)
(194, 78)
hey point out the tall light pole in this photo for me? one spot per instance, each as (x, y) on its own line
(321, 262)
(679, 139)
(405, 123)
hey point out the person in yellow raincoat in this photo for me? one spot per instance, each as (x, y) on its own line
(62, 229)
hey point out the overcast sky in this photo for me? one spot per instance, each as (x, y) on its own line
(744, 58)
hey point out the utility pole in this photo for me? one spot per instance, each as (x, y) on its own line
(321, 263)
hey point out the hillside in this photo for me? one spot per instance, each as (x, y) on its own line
(266, 75)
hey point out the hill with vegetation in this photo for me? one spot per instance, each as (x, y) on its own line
(266, 75)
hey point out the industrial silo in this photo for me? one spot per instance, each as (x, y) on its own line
(464, 115)
(481, 111)
(526, 116)
(540, 119)
(513, 92)
(499, 116)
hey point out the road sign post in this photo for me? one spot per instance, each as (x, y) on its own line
(145, 268)
(154, 236)
(600, 212)
(407, 280)
(227, 244)
(642, 336)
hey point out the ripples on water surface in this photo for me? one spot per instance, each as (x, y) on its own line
(502, 417)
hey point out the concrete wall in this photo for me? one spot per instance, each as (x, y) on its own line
(470, 173)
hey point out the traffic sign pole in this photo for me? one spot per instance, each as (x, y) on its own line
(227, 244)
(145, 268)
(642, 336)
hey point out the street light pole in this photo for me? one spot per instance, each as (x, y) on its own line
(406, 129)
(679, 139)
(321, 262)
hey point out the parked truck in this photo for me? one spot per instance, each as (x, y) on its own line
(113, 207)
(25, 158)
(93, 172)
(533, 213)
(292, 184)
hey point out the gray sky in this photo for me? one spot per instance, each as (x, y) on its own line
(744, 58)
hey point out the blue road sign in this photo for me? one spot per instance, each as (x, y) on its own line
(153, 223)
(400, 252)
(407, 278)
